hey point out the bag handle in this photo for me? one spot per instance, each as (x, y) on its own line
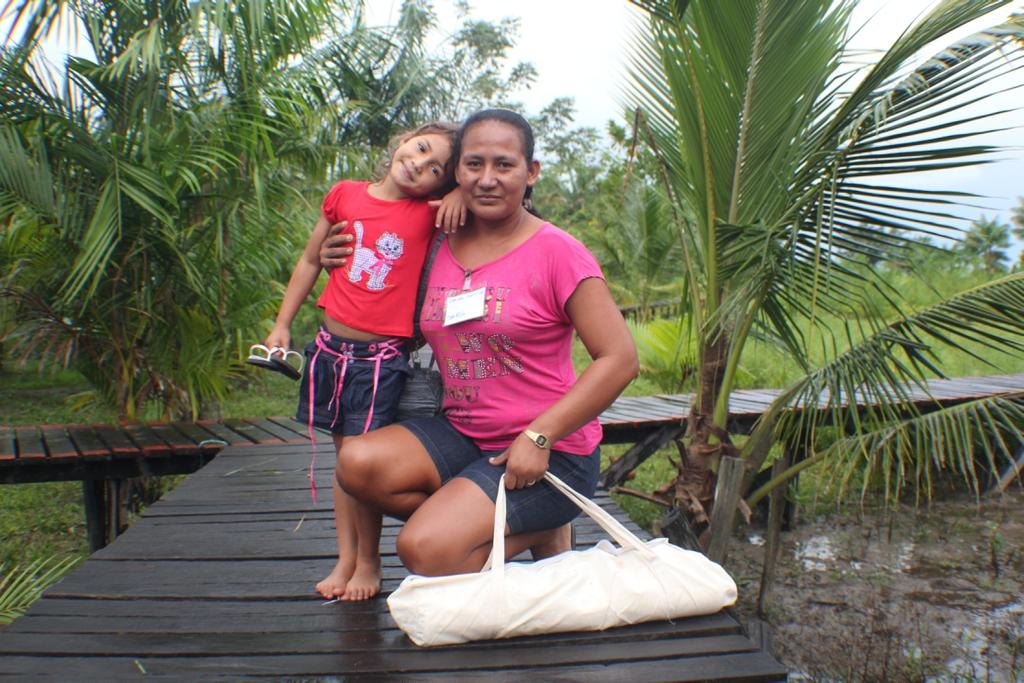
(619, 533)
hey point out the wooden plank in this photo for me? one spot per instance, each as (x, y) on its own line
(87, 442)
(727, 494)
(148, 442)
(8, 444)
(204, 441)
(752, 666)
(178, 442)
(224, 433)
(58, 445)
(400, 652)
(295, 616)
(252, 432)
(962, 387)
(749, 666)
(299, 429)
(117, 441)
(282, 433)
(740, 405)
(30, 443)
(1004, 383)
(298, 534)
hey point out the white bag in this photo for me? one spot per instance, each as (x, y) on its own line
(588, 590)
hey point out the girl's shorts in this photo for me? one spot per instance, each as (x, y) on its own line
(533, 508)
(341, 373)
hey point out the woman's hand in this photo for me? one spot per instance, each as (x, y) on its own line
(525, 464)
(334, 250)
(451, 211)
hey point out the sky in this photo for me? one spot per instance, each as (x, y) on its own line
(580, 48)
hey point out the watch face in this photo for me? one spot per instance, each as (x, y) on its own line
(541, 441)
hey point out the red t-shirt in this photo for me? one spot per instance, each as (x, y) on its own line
(376, 291)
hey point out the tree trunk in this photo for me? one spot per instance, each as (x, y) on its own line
(705, 443)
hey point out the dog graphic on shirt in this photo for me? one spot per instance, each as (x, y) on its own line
(376, 262)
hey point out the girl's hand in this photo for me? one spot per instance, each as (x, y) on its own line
(334, 250)
(525, 464)
(279, 337)
(451, 211)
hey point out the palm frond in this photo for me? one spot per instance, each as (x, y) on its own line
(666, 10)
(874, 381)
(21, 586)
(26, 176)
(973, 441)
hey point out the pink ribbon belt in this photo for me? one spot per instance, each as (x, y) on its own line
(381, 351)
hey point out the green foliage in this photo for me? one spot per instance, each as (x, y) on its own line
(41, 520)
(1017, 218)
(783, 158)
(148, 205)
(21, 586)
(985, 244)
(639, 244)
(150, 210)
(667, 356)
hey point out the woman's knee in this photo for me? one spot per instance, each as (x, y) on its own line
(424, 552)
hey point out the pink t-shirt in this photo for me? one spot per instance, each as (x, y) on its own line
(502, 371)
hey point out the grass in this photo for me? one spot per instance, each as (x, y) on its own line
(38, 521)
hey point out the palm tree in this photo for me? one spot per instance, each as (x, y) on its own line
(785, 154)
(637, 248)
(985, 242)
(153, 191)
(1017, 218)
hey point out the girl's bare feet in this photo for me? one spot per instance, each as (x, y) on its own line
(337, 581)
(365, 581)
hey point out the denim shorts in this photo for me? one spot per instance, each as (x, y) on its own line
(533, 508)
(347, 414)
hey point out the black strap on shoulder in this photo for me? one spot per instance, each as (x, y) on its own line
(421, 293)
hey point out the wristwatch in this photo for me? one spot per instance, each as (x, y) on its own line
(539, 440)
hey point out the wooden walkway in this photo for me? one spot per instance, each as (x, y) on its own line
(632, 418)
(73, 452)
(215, 581)
(83, 452)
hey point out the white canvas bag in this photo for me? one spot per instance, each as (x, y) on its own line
(588, 590)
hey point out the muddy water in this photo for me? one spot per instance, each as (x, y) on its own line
(933, 594)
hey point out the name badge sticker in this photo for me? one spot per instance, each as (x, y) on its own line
(465, 306)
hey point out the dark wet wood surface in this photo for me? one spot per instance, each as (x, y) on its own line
(216, 581)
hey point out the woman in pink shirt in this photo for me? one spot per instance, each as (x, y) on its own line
(506, 295)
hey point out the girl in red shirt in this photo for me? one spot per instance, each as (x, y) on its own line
(356, 367)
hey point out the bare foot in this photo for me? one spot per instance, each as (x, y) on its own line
(337, 581)
(559, 541)
(365, 581)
